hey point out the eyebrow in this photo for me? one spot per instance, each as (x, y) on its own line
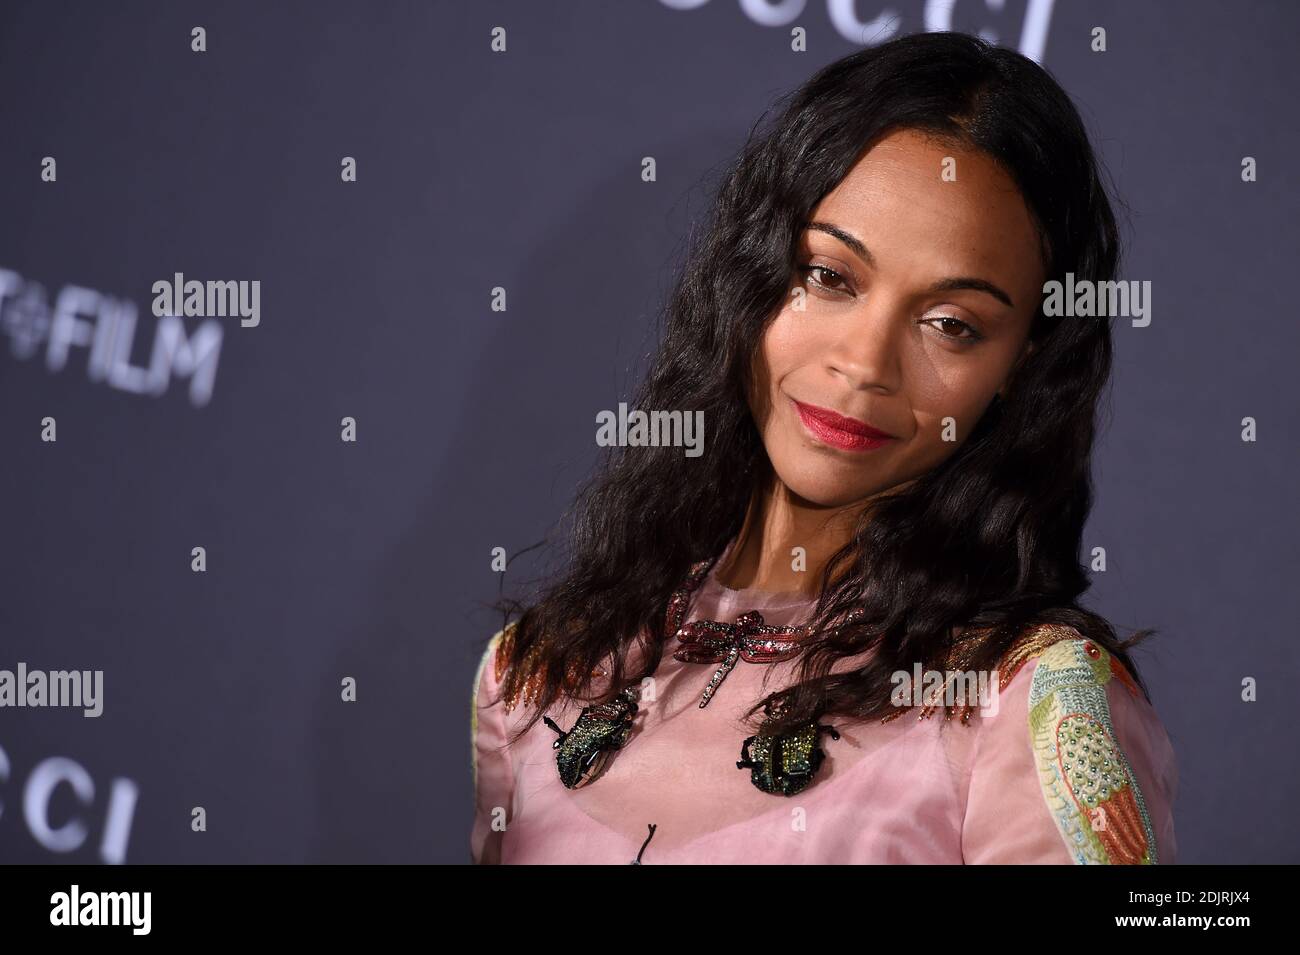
(955, 284)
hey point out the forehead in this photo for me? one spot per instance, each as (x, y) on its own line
(897, 200)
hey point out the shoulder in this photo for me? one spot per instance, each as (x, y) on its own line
(491, 759)
(488, 703)
(1053, 643)
(485, 682)
(1071, 692)
(488, 665)
(501, 656)
(492, 716)
(493, 665)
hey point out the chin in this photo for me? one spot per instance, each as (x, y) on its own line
(817, 483)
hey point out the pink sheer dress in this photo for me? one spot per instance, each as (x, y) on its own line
(1073, 766)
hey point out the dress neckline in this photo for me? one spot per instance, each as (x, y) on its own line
(752, 597)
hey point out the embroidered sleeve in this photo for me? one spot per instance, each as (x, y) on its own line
(490, 761)
(1072, 765)
(1087, 782)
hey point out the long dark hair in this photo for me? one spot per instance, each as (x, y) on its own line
(989, 540)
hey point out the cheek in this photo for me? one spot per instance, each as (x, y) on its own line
(785, 347)
(786, 340)
(958, 390)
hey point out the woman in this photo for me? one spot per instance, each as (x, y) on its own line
(887, 516)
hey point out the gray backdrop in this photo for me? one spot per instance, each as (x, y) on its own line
(521, 170)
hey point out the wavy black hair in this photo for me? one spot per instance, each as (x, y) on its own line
(987, 541)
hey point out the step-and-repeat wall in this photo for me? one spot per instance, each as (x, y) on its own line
(307, 308)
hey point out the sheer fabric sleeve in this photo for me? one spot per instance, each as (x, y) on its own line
(1074, 768)
(491, 762)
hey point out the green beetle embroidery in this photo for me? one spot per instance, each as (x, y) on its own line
(784, 764)
(584, 752)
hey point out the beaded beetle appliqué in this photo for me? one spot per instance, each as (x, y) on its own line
(583, 752)
(784, 764)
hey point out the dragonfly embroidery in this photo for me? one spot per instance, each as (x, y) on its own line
(748, 639)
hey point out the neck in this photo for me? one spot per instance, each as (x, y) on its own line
(777, 522)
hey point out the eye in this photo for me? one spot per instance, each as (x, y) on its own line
(950, 326)
(825, 278)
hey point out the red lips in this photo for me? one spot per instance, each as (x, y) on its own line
(848, 434)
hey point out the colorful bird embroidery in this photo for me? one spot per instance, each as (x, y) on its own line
(1086, 780)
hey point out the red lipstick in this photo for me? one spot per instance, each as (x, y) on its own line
(833, 428)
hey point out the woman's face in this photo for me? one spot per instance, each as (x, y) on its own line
(910, 305)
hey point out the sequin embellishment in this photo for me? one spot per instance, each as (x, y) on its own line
(784, 764)
(748, 639)
(583, 752)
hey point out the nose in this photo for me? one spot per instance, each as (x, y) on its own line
(866, 353)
